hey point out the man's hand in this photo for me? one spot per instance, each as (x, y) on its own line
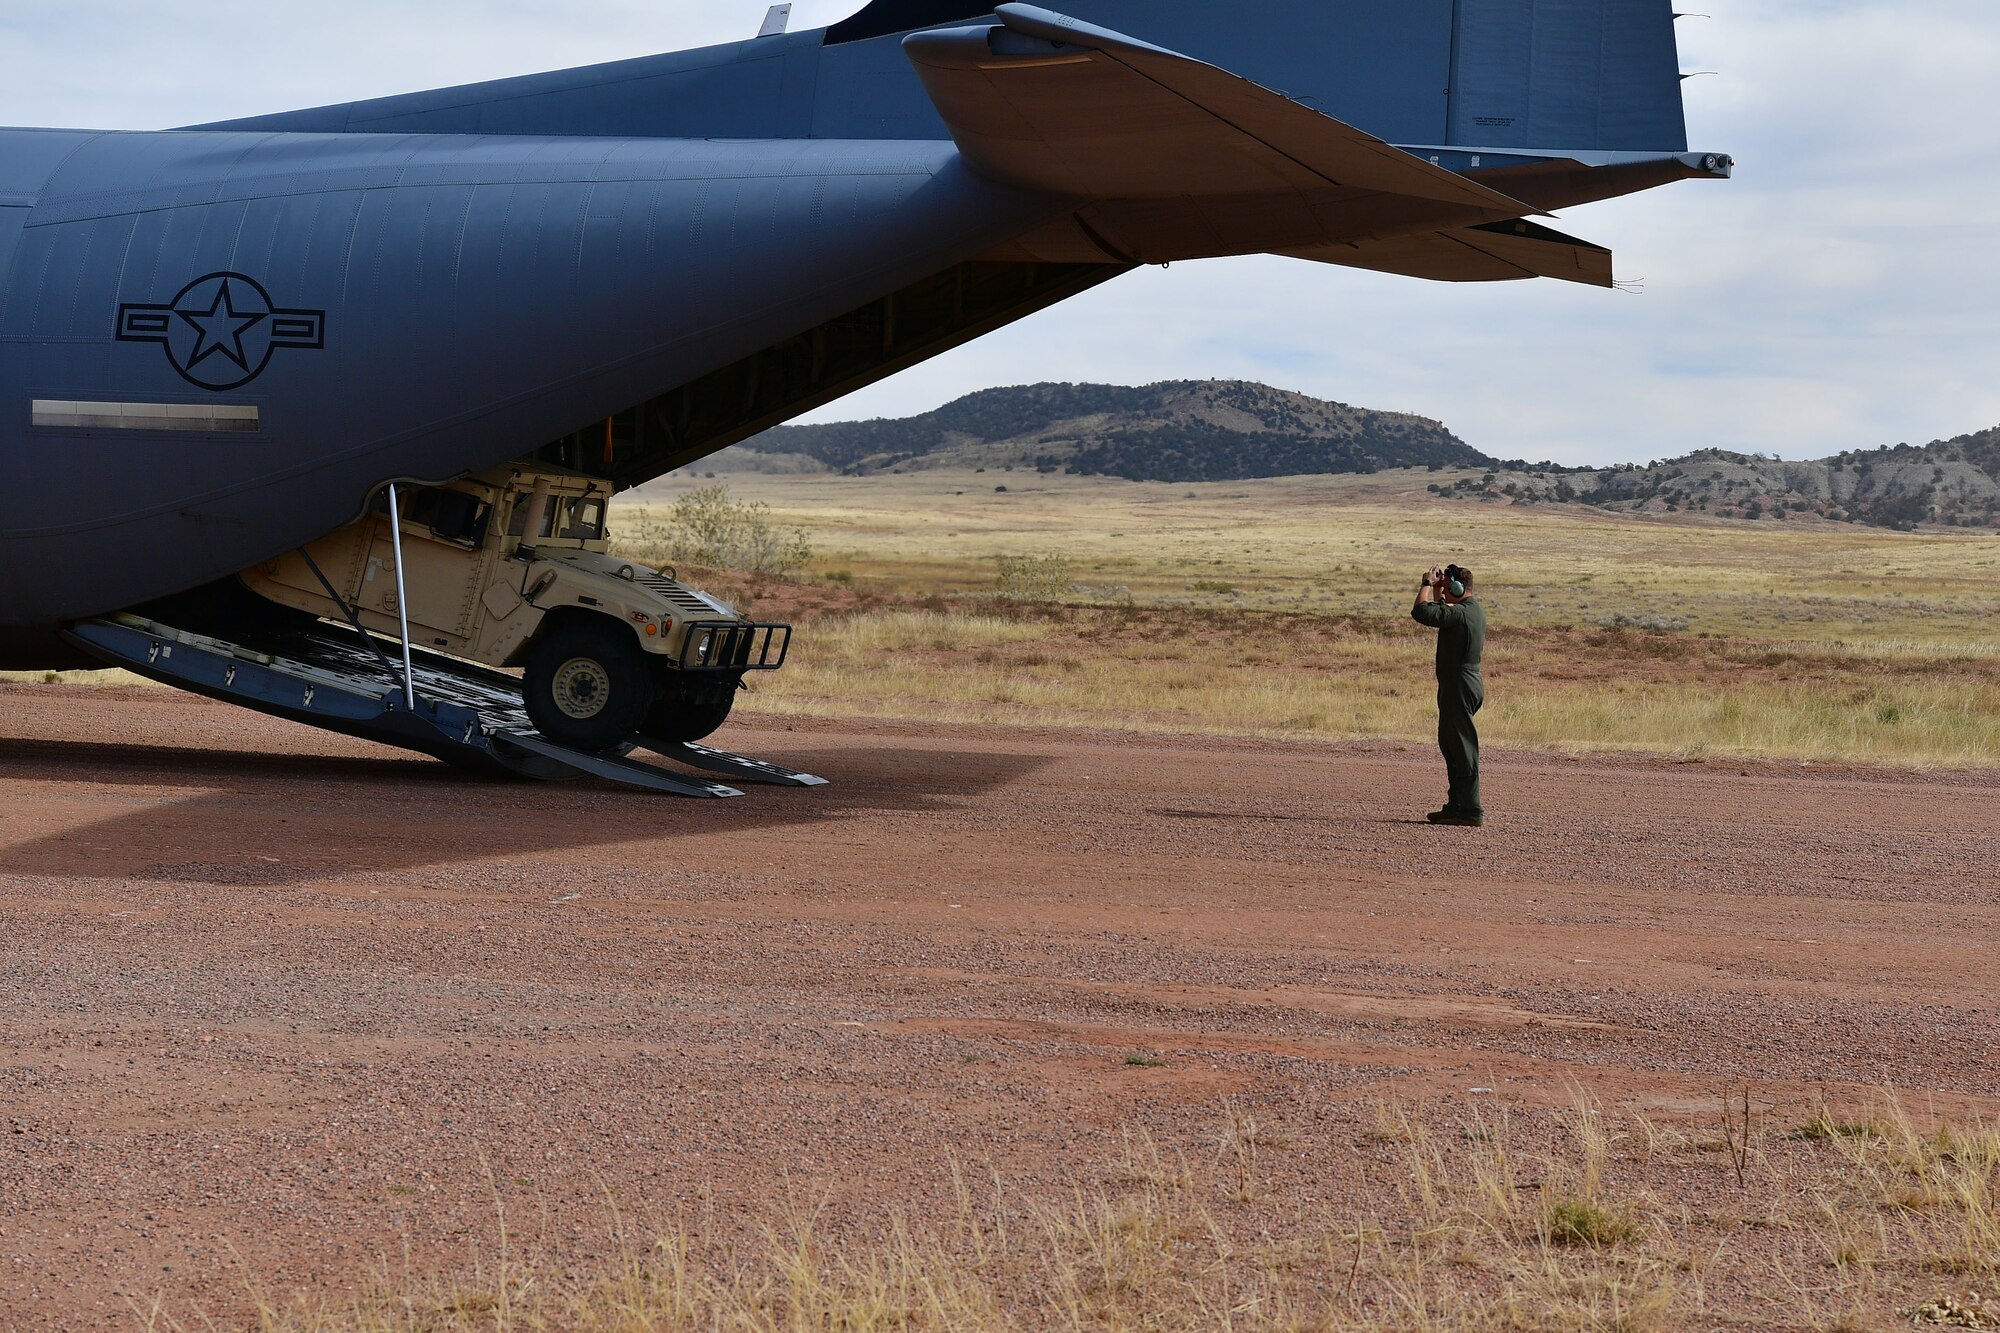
(1428, 593)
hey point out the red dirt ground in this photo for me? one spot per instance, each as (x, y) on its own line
(276, 1006)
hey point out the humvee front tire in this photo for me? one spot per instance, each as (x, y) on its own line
(589, 685)
(682, 714)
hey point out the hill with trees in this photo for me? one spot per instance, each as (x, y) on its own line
(1181, 431)
(1955, 483)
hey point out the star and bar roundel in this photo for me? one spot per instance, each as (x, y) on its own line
(221, 330)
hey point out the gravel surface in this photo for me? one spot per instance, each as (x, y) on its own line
(280, 1009)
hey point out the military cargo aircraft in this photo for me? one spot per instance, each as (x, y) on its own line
(391, 331)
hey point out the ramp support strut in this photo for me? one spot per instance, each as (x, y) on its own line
(402, 600)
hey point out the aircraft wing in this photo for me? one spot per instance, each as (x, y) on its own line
(1493, 252)
(1047, 103)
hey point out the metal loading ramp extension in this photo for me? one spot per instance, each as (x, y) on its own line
(328, 677)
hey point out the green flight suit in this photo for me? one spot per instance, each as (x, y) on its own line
(1461, 690)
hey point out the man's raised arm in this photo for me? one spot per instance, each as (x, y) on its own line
(1428, 609)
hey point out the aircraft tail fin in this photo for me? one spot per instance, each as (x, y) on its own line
(1540, 75)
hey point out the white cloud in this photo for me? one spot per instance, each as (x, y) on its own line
(1838, 294)
(137, 64)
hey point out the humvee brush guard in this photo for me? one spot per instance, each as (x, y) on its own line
(511, 568)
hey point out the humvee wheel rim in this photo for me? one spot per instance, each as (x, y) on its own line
(582, 687)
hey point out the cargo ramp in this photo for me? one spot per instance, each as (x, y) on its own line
(352, 682)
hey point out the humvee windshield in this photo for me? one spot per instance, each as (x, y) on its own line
(582, 520)
(568, 518)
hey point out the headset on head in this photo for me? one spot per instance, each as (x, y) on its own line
(1455, 585)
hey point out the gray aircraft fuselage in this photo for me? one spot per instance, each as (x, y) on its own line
(465, 301)
(218, 344)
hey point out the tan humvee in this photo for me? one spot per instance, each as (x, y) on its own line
(511, 568)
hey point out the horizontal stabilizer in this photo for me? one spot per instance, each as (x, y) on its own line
(1046, 103)
(1564, 182)
(1494, 252)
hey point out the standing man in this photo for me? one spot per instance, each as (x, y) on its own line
(1445, 603)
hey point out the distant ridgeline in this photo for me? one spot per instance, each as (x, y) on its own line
(1189, 430)
(1232, 430)
(1952, 482)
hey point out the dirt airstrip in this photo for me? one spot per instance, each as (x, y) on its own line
(277, 1008)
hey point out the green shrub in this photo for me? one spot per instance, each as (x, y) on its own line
(1033, 578)
(710, 527)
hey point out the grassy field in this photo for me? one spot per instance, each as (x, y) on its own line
(1560, 1222)
(1351, 545)
(1281, 608)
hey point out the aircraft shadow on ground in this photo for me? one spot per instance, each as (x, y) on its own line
(255, 818)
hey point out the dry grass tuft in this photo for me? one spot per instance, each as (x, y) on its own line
(1489, 1224)
(1587, 1222)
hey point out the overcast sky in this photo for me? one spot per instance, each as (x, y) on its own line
(1839, 293)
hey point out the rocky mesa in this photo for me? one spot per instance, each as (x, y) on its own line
(1178, 431)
